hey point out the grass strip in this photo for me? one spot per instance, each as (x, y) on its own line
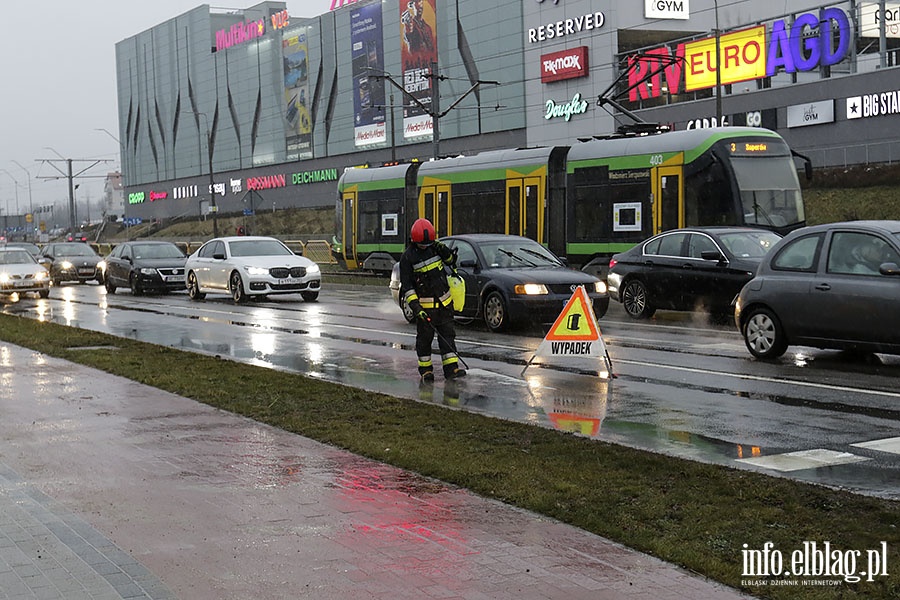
(695, 515)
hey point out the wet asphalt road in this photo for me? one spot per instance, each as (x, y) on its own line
(682, 386)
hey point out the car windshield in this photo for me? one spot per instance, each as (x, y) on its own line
(517, 253)
(749, 244)
(157, 251)
(15, 257)
(259, 248)
(75, 250)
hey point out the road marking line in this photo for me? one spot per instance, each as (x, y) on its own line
(804, 459)
(890, 445)
(760, 378)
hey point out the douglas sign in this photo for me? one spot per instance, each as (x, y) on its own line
(808, 43)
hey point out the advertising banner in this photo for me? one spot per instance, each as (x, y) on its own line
(298, 121)
(418, 53)
(368, 60)
(743, 56)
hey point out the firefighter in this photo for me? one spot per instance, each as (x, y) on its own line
(423, 285)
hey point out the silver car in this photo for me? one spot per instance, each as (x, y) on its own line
(827, 286)
(20, 273)
(250, 267)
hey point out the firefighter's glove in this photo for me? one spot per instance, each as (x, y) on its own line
(422, 315)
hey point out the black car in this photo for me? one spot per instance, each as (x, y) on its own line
(145, 266)
(512, 280)
(32, 249)
(688, 269)
(71, 261)
(828, 286)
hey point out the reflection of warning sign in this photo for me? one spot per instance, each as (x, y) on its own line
(575, 332)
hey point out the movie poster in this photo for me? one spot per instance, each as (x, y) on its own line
(368, 61)
(298, 121)
(418, 52)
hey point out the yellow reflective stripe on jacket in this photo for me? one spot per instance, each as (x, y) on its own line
(435, 262)
(444, 300)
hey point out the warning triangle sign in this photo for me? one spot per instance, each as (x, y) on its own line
(577, 321)
(575, 333)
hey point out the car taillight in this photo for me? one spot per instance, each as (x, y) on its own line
(612, 263)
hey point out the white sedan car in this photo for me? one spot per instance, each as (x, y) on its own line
(21, 273)
(250, 266)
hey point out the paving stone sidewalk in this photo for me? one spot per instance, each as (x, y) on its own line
(111, 489)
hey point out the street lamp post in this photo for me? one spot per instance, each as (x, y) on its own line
(718, 70)
(30, 202)
(213, 208)
(16, 186)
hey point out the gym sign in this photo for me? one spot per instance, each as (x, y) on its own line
(808, 43)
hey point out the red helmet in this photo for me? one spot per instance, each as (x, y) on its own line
(422, 232)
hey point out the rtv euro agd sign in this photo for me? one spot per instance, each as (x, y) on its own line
(808, 42)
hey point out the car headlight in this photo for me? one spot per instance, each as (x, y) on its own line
(4, 277)
(40, 275)
(148, 271)
(257, 271)
(65, 265)
(102, 265)
(600, 287)
(312, 269)
(531, 289)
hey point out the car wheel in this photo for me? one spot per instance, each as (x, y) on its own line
(193, 286)
(110, 286)
(496, 316)
(408, 313)
(236, 285)
(44, 293)
(635, 301)
(135, 284)
(310, 296)
(764, 335)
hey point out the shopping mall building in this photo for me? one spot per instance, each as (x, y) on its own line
(238, 111)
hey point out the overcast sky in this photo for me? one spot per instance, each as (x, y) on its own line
(58, 65)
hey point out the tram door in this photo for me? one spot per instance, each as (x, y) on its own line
(434, 205)
(668, 210)
(349, 232)
(525, 207)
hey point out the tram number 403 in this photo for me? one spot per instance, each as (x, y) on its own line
(656, 160)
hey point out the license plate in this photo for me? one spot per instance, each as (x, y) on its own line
(23, 283)
(289, 281)
(175, 278)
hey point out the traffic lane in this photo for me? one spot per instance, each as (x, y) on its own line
(357, 339)
(318, 341)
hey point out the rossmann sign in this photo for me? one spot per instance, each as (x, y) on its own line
(808, 43)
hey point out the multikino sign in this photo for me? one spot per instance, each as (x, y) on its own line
(806, 44)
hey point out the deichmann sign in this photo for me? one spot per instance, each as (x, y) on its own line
(811, 113)
(305, 177)
(806, 44)
(565, 64)
(667, 9)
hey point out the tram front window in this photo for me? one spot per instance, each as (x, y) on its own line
(770, 192)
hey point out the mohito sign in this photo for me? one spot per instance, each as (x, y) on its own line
(565, 64)
(806, 44)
